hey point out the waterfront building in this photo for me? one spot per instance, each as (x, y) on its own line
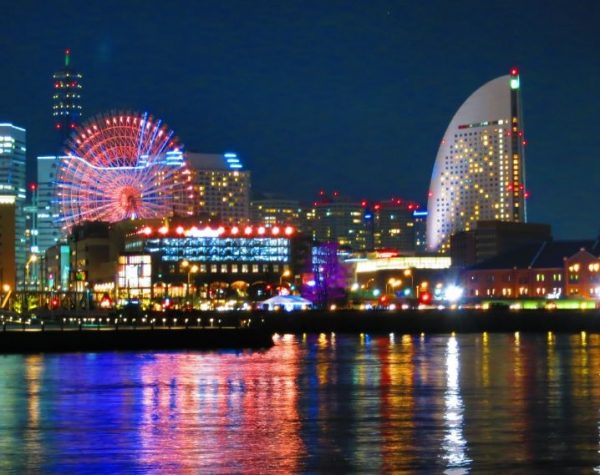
(385, 272)
(12, 183)
(221, 187)
(479, 171)
(93, 255)
(491, 238)
(212, 262)
(550, 269)
(66, 99)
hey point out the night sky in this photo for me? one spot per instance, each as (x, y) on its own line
(345, 95)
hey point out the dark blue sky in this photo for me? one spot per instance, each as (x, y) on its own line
(345, 95)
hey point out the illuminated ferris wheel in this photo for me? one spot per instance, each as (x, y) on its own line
(122, 166)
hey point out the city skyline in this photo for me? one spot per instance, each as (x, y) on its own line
(326, 88)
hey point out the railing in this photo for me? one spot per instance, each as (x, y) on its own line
(149, 321)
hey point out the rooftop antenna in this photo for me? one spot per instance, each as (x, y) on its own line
(67, 57)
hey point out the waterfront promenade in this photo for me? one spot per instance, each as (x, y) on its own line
(210, 330)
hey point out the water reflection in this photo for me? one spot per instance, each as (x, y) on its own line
(312, 403)
(202, 406)
(454, 445)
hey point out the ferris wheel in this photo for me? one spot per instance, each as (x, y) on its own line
(122, 166)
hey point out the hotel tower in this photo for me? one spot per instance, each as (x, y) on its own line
(479, 171)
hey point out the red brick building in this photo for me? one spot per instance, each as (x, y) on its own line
(548, 269)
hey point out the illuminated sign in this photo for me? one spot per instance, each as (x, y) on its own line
(399, 263)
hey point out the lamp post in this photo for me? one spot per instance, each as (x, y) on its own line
(32, 259)
(286, 273)
(184, 265)
(393, 283)
(193, 270)
(6, 289)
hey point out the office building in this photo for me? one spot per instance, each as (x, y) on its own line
(336, 218)
(12, 183)
(275, 211)
(491, 238)
(479, 171)
(48, 228)
(393, 225)
(420, 225)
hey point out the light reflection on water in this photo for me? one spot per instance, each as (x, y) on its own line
(312, 403)
(454, 444)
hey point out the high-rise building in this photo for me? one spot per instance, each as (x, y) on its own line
(221, 187)
(66, 100)
(12, 183)
(48, 231)
(338, 219)
(420, 220)
(394, 225)
(479, 171)
(270, 211)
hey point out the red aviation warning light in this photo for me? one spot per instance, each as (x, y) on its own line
(514, 71)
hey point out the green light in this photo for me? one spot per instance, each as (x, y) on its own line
(514, 83)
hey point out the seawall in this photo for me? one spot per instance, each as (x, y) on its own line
(434, 321)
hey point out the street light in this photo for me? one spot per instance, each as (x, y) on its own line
(393, 283)
(6, 289)
(32, 259)
(193, 269)
(408, 273)
(286, 273)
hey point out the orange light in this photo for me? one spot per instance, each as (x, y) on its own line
(289, 230)
(163, 230)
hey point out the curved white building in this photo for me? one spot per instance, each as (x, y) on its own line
(479, 171)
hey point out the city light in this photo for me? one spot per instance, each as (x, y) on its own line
(126, 183)
(453, 293)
